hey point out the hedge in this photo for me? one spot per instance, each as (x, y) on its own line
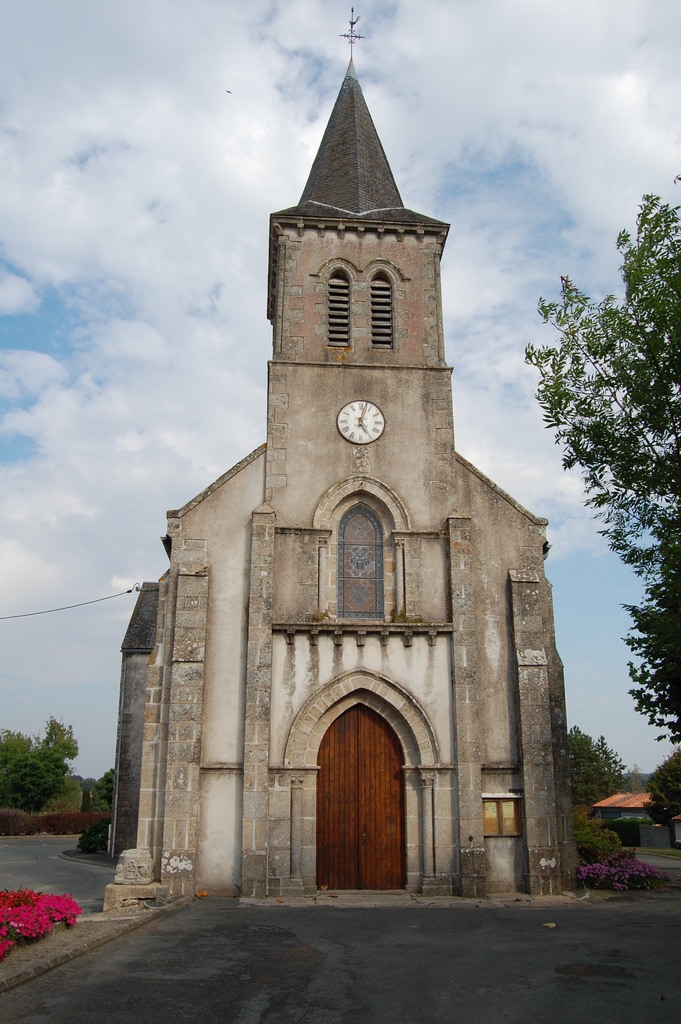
(56, 823)
(628, 829)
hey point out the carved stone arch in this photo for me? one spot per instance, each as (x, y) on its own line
(389, 700)
(359, 487)
(338, 263)
(386, 267)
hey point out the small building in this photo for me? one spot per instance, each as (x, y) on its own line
(622, 805)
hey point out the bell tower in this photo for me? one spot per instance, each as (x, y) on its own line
(354, 300)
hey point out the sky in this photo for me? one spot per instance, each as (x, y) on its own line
(143, 146)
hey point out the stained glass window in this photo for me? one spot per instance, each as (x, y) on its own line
(360, 565)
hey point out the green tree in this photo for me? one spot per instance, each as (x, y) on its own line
(596, 771)
(102, 796)
(13, 746)
(656, 643)
(33, 770)
(610, 390)
(59, 738)
(69, 797)
(664, 786)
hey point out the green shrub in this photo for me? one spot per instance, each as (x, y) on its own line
(95, 837)
(628, 829)
(594, 841)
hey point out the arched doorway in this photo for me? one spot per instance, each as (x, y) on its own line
(360, 804)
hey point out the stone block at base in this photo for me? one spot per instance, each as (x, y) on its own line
(436, 885)
(120, 897)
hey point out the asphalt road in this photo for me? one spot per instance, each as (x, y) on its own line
(214, 960)
(37, 862)
(481, 962)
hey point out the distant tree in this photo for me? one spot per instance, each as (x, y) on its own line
(610, 390)
(34, 778)
(634, 780)
(59, 738)
(13, 747)
(33, 770)
(596, 771)
(69, 797)
(664, 786)
(102, 796)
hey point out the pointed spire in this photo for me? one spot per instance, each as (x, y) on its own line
(351, 172)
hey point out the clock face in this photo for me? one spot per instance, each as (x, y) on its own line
(361, 422)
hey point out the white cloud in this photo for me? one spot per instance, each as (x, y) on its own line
(25, 374)
(136, 190)
(16, 295)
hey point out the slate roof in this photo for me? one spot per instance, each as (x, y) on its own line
(141, 632)
(350, 181)
(351, 175)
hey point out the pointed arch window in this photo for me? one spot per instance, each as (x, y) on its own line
(360, 564)
(381, 311)
(339, 309)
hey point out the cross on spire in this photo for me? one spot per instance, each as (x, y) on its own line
(352, 36)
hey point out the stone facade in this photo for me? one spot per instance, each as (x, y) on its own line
(256, 656)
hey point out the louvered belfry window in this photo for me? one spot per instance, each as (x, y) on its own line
(381, 312)
(339, 309)
(360, 565)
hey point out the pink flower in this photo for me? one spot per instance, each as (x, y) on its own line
(26, 915)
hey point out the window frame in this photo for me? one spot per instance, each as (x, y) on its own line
(338, 304)
(382, 310)
(379, 578)
(502, 820)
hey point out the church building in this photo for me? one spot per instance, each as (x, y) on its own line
(347, 678)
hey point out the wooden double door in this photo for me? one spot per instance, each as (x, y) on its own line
(360, 804)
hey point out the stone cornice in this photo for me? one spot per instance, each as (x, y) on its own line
(361, 629)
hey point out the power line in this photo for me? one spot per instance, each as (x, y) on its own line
(66, 607)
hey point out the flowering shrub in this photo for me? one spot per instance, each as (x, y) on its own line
(621, 871)
(26, 915)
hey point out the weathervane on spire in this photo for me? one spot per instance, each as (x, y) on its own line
(352, 36)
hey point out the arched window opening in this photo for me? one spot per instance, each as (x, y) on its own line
(360, 564)
(381, 311)
(339, 309)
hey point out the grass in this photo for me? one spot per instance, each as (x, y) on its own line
(656, 851)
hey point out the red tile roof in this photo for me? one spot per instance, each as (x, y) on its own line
(627, 800)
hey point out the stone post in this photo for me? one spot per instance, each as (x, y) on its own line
(399, 578)
(257, 710)
(541, 834)
(427, 834)
(466, 718)
(185, 706)
(321, 575)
